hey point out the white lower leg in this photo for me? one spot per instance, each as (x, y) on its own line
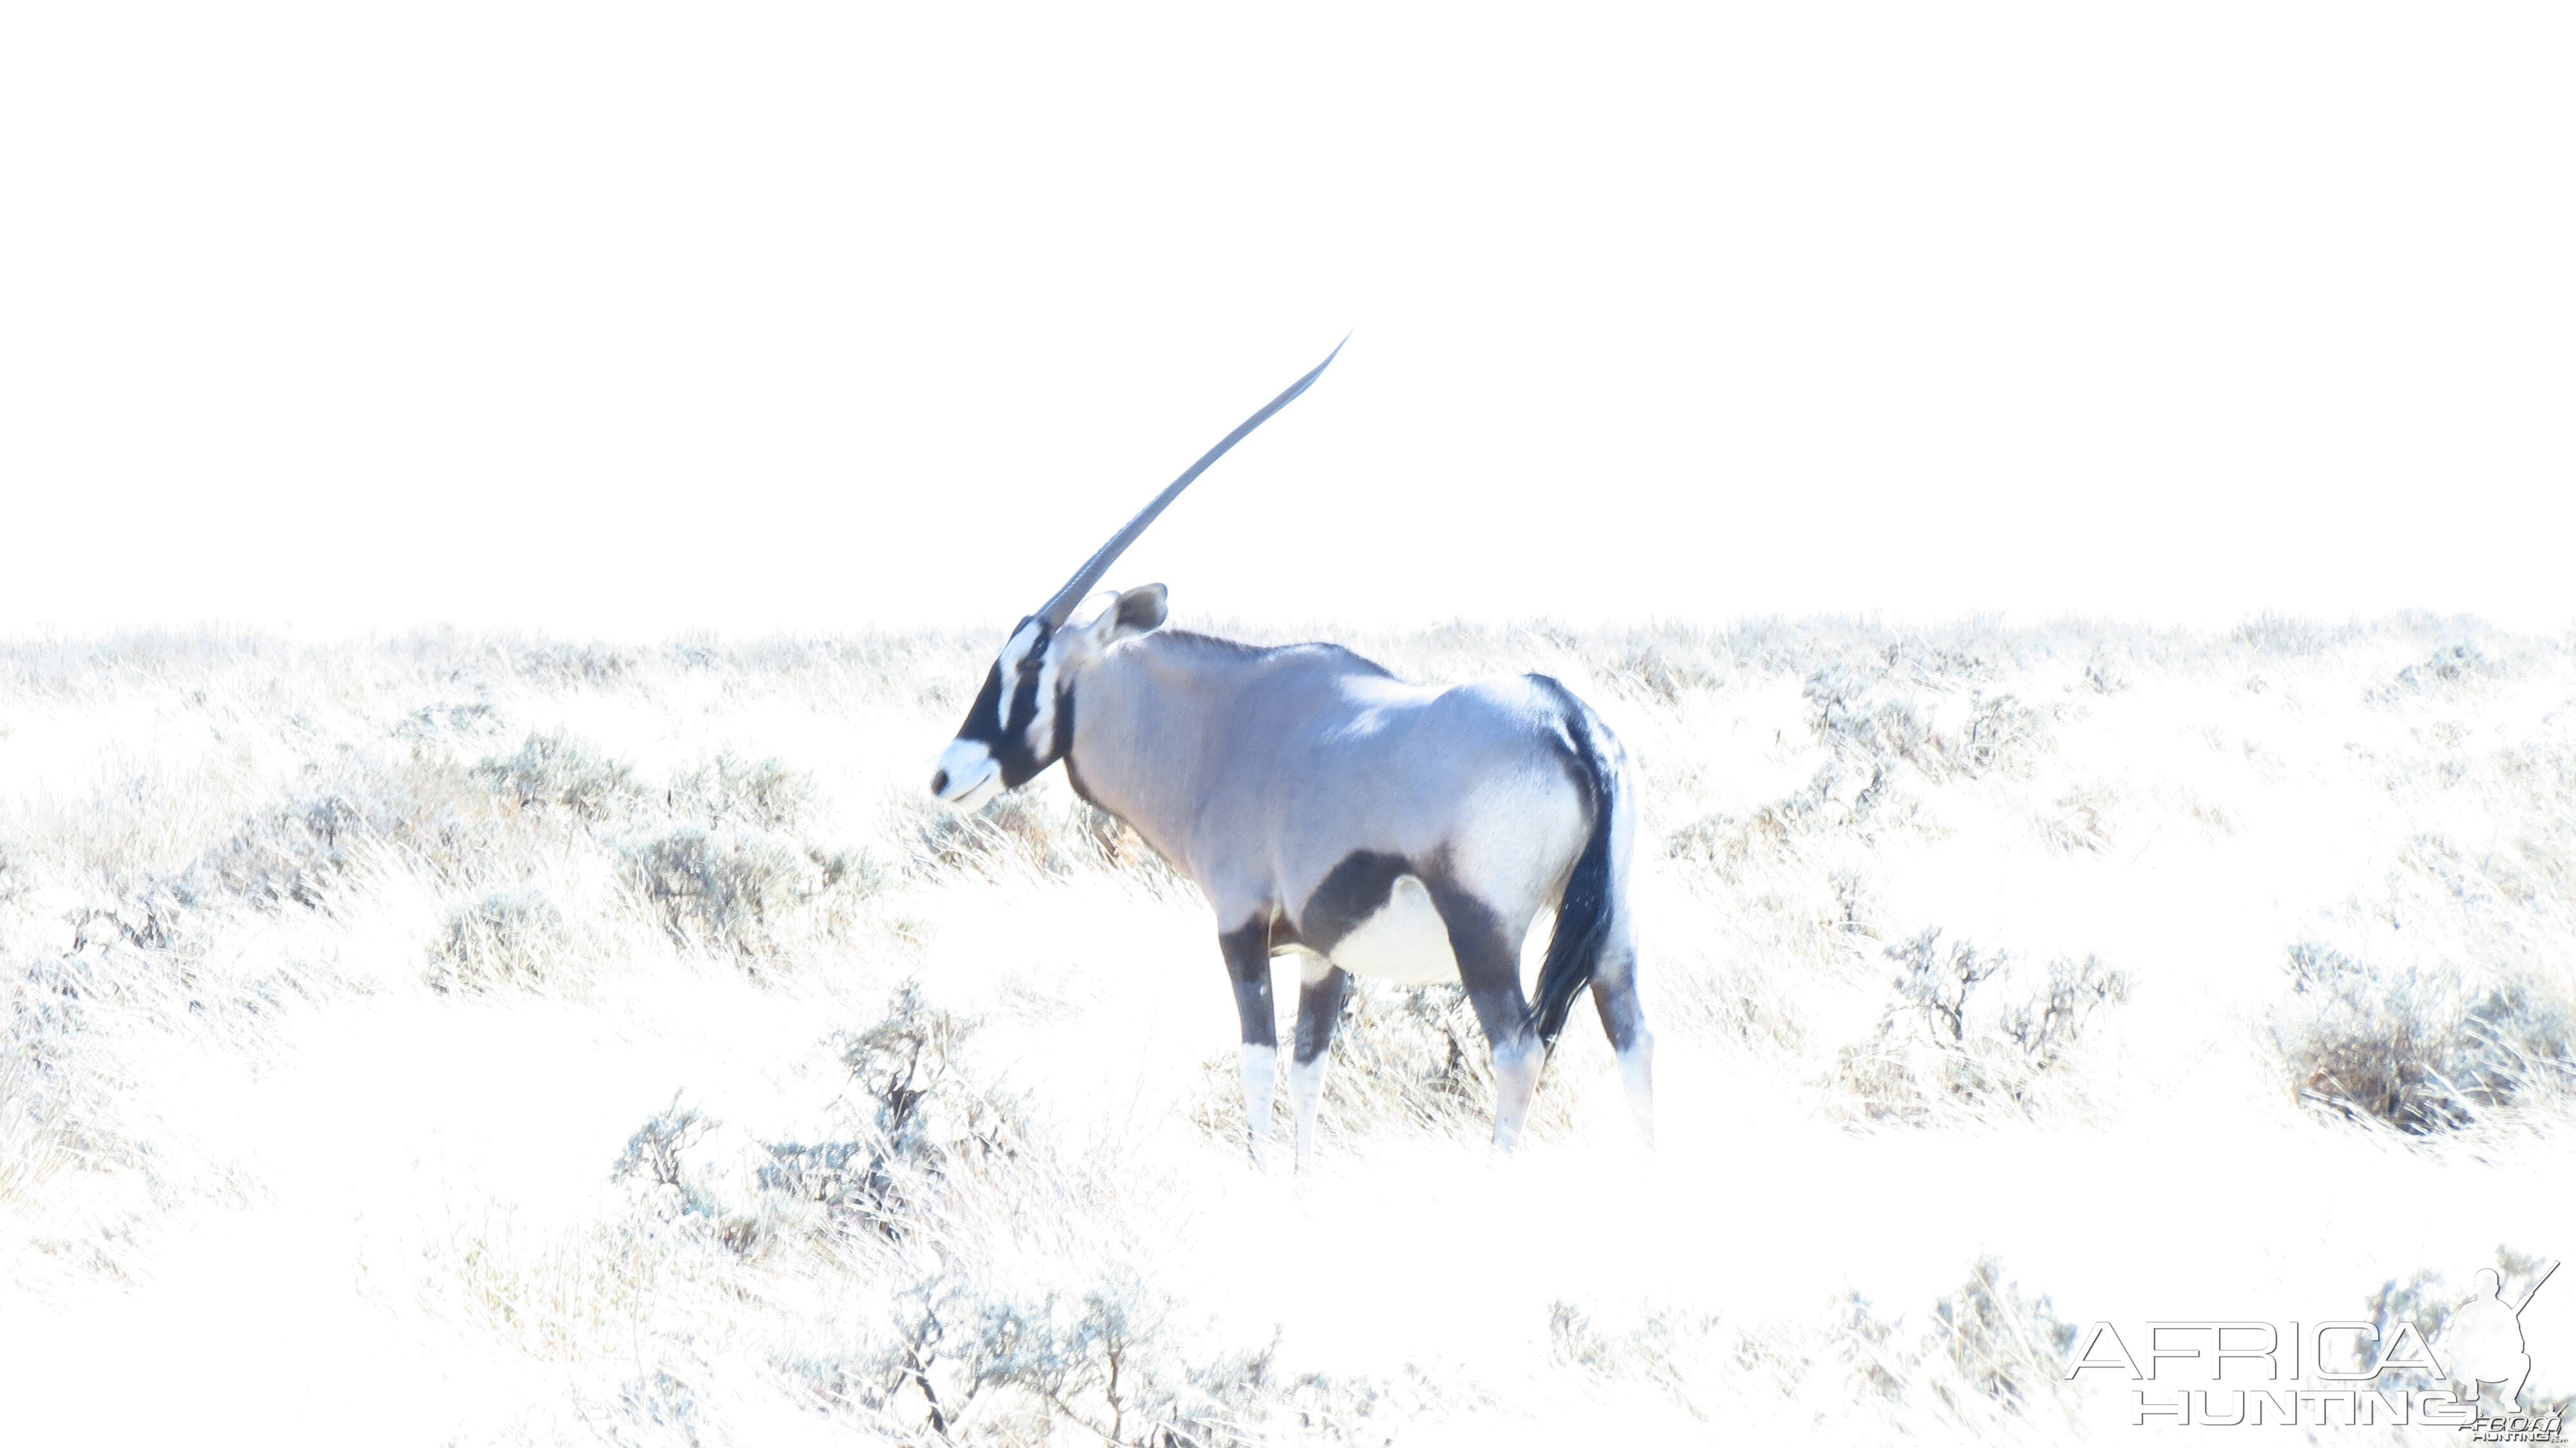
(1306, 1092)
(1516, 1070)
(1637, 1072)
(1260, 1083)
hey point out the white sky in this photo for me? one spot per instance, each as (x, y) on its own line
(634, 319)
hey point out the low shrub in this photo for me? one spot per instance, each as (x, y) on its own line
(976, 1360)
(918, 1116)
(1904, 707)
(2422, 1050)
(1989, 1354)
(558, 771)
(763, 794)
(505, 937)
(2009, 1347)
(2448, 666)
(1949, 1039)
(731, 888)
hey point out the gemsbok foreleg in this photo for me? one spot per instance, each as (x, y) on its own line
(1319, 1007)
(1489, 965)
(1247, 962)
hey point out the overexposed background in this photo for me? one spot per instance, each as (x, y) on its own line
(628, 320)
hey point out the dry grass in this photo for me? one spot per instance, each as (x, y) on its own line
(572, 1042)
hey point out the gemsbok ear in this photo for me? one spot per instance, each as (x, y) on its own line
(1137, 611)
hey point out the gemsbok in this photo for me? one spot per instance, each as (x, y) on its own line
(1326, 807)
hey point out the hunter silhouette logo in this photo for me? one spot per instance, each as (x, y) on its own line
(2484, 1342)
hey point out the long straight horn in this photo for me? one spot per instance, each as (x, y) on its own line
(1058, 607)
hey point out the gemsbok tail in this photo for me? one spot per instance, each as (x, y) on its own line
(1585, 916)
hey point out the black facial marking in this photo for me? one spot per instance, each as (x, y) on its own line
(1020, 763)
(984, 716)
(1000, 716)
(1064, 745)
(1355, 890)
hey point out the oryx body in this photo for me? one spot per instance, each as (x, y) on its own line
(1326, 807)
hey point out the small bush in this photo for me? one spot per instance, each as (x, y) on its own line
(730, 887)
(293, 855)
(915, 1120)
(2280, 636)
(559, 771)
(2450, 665)
(506, 937)
(2422, 1051)
(295, 851)
(2049, 1024)
(919, 1117)
(1938, 986)
(1988, 1354)
(1844, 797)
(981, 1362)
(1885, 718)
(663, 1405)
(1658, 671)
(564, 665)
(1908, 706)
(45, 1082)
(654, 1155)
(2004, 1345)
(763, 794)
(1667, 1349)
(1948, 1039)
(163, 914)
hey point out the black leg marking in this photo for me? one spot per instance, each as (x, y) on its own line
(1622, 1018)
(1488, 964)
(1614, 995)
(1319, 1009)
(1247, 961)
(1355, 890)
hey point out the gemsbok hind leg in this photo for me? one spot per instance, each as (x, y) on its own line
(1319, 1007)
(1614, 995)
(1247, 963)
(1489, 965)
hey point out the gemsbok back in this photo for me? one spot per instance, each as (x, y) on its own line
(1328, 808)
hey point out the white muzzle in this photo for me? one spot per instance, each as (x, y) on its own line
(968, 776)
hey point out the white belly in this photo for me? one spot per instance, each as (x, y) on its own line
(1403, 942)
